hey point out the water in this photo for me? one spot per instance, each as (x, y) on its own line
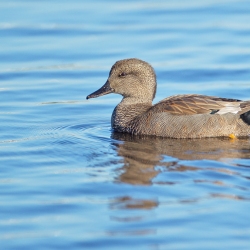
(67, 180)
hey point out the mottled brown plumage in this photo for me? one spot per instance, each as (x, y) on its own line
(180, 116)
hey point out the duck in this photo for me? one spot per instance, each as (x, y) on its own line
(179, 116)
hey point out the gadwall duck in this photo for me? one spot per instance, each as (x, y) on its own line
(179, 116)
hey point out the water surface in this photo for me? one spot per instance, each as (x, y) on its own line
(67, 180)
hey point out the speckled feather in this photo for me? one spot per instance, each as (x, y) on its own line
(180, 116)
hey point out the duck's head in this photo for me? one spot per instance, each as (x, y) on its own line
(132, 78)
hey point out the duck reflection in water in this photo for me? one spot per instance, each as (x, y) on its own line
(144, 157)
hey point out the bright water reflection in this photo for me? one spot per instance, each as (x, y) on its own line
(66, 180)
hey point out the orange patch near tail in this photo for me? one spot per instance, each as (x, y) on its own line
(232, 136)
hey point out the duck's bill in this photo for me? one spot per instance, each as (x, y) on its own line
(104, 90)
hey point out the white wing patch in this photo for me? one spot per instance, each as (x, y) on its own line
(230, 107)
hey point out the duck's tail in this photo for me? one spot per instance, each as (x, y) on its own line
(246, 117)
(245, 114)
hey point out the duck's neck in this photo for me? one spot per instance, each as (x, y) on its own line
(126, 111)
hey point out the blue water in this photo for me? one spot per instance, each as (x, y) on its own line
(67, 181)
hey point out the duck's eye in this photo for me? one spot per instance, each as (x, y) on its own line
(122, 74)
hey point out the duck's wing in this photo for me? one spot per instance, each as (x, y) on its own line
(198, 104)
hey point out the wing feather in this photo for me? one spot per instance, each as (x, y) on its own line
(198, 104)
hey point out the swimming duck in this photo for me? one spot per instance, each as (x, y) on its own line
(179, 116)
